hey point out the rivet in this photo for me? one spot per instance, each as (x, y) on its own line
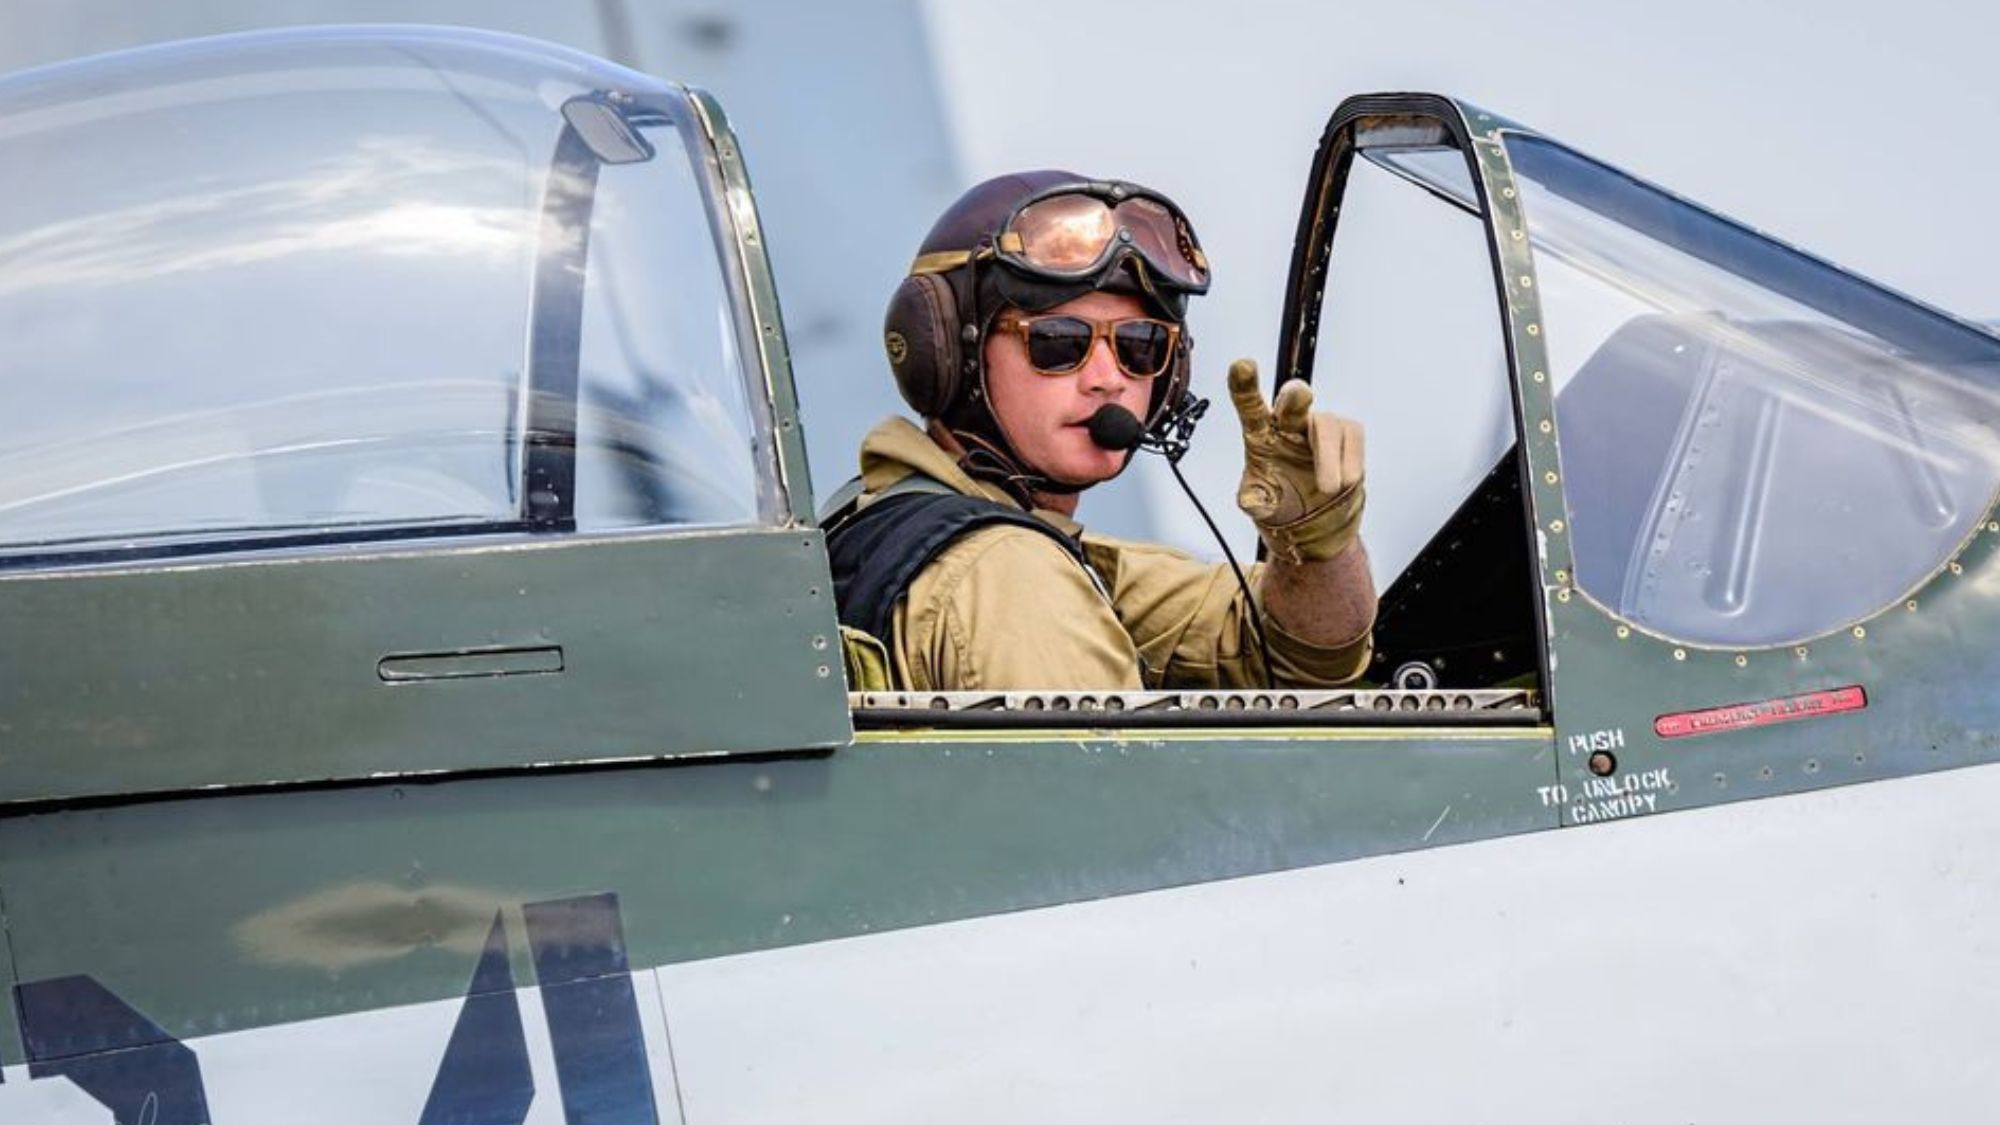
(1562, 595)
(1994, 526)
(1562, 576)
(1540, 377)
(1802, 652)
(1624, 631)
(1742, 661)
(1957, 568)
(1534, 329)
(1680, 654)
(1518, 236)
(770, 328)
(1506, 193)
(1911, 605)
(1546, 426)
(1549, 477)
(824, 671)
(819, 643)
(1860, 632)
(1556, 526)
(1527, 282)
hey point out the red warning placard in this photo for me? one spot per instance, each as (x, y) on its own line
(1737, 716)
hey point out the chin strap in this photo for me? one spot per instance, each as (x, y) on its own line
(985, 459)
(990, 459)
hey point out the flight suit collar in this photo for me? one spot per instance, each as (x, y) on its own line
(897, 447)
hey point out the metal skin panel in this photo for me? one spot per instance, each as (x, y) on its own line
(1925, 662)
(215, 913)
(12, 1051)
(1928, 666)
(1821, 958)
(758, 290)
(386, 1066)
(251, 672)
(305, 904)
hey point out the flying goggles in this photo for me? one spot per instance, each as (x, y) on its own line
(1080, 232)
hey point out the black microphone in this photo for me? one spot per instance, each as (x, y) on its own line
(1114, 427)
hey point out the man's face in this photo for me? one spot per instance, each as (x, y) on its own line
(1045, 417)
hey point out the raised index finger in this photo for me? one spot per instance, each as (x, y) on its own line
(1244, 393)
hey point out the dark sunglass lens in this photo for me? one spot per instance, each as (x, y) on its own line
(1057, 344)
(1144, 347)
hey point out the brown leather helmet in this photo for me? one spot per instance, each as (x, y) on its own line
(975, 262)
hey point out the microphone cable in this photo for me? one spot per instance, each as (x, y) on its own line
(1114, 427)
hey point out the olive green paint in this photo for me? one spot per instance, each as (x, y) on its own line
(707, 858)
(220, 912)
(1926, 660)
(12, 1052)
(763, 328)
(1928, 670)
(270, 670)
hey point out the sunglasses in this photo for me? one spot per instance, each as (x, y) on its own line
(1058, 344)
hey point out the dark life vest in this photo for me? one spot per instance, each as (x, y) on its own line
(877, 551)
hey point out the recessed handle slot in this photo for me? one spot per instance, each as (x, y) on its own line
(467, 664)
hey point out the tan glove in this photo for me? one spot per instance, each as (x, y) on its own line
(1302, 469)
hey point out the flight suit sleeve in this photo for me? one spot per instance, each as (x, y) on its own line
(1005, 609)
(1188, 620)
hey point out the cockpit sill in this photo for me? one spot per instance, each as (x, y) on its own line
(1236, 708)
(265, 545)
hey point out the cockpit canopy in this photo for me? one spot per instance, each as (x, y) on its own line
(351, 285)
(1756, 447)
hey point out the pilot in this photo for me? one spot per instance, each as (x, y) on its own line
(1040, 332)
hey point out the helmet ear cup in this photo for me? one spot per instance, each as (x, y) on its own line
(921, 335)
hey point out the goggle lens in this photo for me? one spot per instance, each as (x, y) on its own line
(1073, 233)
(1058, 345)
(1065, 233)
(1163, 238)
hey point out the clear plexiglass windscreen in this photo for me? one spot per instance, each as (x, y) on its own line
(286, 284)
(1410, 345)
(1757, 447)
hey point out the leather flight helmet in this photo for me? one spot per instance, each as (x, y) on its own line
(970, 267)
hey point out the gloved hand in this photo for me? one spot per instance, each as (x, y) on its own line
(1302, 469)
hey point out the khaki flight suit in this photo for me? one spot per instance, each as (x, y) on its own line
(1003, 608)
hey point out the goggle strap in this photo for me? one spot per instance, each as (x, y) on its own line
(941, 261)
